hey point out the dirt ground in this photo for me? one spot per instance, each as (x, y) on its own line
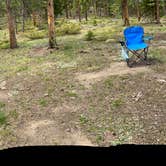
(103, 104)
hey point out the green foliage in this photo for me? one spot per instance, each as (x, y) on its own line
(14, 114)
(43, 102)
(83, 119)
(2, 105)
(94, 22)
(33, 34)
(68, 29)
(71, 94)
(4, 44)
(3, 118)
(89, 36)
(116, 103)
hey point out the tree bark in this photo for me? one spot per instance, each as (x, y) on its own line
(125, 13)
(157, 13)
(11, 26)
(23, 16)
(51, 25)
(79, 11)
(138, 11)
(67, 11)
(34, 18)
(86, 15)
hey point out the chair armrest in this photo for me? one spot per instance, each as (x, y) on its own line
(147, 38)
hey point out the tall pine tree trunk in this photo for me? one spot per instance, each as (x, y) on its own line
(125, 13)
(23, 16)
(157, 12)
(67, 11)
(11, 25)
(79, 11)
(86, 14)
(138, 10)
(51, 25)
(34, 18)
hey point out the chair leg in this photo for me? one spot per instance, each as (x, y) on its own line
(145, 55)
(129, 63)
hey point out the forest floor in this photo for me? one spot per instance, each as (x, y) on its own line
(82, 93)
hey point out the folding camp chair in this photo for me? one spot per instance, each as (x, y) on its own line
(135, 43)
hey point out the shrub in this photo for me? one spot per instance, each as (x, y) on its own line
(89, 36)
(36, 34)
(94, 23)
(4, 44)
(68, 29)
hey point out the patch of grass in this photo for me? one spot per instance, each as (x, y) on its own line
(68, 29)
(99, 139)
(83, 119)
(33, 35)
(157, 55)
(71, 94)
(116, 103)
(4, 44)
(43, 102)
(13, 114)
(109, 83)
(2, 105)
(22, 68)
(3, 118)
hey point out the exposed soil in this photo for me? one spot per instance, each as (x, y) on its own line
(84, 96)
(118, 68)
(47, 132)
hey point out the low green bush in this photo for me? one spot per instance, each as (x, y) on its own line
(36, 34)
(89, 36)
(68, 29)
(4, 44)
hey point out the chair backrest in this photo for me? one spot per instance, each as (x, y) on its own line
(134, 35)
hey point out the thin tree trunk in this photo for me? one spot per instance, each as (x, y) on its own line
(86, 14)
(138, 11)
(70, 13)
(79, 12)
(125, 13)
(51, 25)
(164, 7)
(34, 18)
(157, 13)
(11, 25)
(15, 22)
(67, 11)
(23, 16)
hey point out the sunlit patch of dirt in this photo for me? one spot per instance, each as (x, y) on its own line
(118, 68)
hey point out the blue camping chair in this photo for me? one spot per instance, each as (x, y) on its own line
(135, 43)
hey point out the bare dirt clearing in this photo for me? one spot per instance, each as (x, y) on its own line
(118, 68)
(47, 132)
(81, 94)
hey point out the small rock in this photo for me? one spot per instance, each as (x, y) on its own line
(3, 85)
(68, 130)
(46, 95)
(161, 81)
(139, 95)
(109, 41)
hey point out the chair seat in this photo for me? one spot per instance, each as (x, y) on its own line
(136, 47)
